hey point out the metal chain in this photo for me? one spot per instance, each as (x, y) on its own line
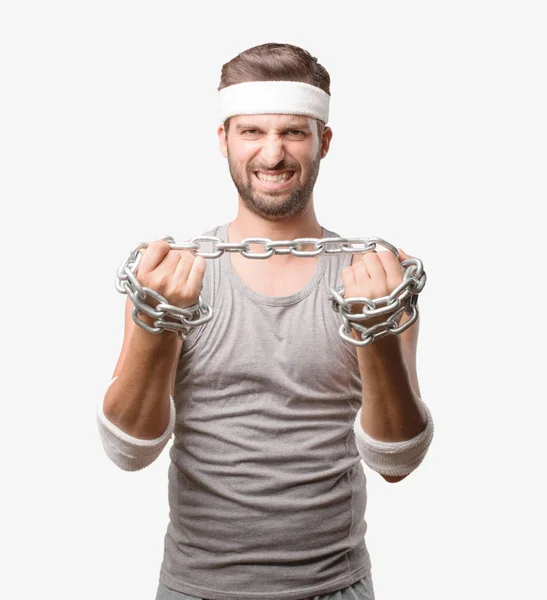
(173, 318)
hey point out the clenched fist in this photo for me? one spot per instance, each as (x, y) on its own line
(175, 274)
(373, 275)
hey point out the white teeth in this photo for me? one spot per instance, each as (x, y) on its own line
(274, 178)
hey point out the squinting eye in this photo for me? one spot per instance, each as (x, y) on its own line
(290, 131)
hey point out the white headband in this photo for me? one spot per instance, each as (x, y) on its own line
(273, 97)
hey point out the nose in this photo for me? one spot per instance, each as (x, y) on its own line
(272, 151)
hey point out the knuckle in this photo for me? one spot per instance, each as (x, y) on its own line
(159, 244)
(162, 280)
(186, 256)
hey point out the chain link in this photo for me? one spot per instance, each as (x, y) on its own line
(403, 298)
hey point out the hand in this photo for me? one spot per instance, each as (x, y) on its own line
(373, 275)
(175, 274)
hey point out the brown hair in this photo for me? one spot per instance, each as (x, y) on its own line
(275, 62)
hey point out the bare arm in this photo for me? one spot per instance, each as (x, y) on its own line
(136, 418)
(392, 409)
(132, 421)
(138, 402)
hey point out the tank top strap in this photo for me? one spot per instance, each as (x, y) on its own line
(335, 263)
(210, 285)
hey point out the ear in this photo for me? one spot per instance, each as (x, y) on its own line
(222, 140)
(325, 141)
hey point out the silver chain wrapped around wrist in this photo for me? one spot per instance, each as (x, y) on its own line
(173, 318)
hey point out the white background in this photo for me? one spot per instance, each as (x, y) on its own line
(108, 138)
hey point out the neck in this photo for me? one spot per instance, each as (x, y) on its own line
(248, 224)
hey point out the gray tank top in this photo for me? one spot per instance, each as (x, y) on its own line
(267, 492)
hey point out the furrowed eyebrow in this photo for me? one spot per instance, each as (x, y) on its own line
(241, 126)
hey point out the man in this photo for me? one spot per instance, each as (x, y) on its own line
(273, 410)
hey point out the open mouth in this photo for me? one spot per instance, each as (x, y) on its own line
(274, 180)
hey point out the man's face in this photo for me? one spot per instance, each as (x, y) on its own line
(260, 147)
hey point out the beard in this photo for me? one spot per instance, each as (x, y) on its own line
(275, 205)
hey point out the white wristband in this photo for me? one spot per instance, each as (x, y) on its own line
(393, 458)
(128, 452)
